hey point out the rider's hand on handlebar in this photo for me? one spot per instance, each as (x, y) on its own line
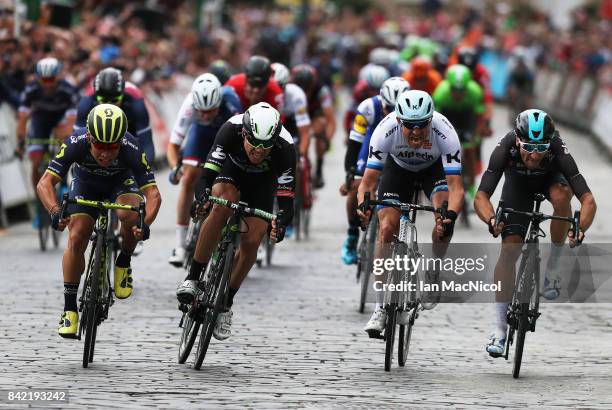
(573, 242)
(141, 234)
(57, 223)
(175, 175)
(364, 213)
(343, 190)
(446, 227)
(495, 230)
(276, 231)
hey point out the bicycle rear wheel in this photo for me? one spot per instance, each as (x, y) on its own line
(215, 299)
(90, 315)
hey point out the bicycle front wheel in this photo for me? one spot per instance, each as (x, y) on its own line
(188, 336)
(390, 334)
(215, 299)
(90, 314)
(524, 294)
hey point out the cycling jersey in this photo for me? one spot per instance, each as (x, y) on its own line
(319, 99)
(273, 94)
(462, 113)
(506, 158)
(51, 107)
(369, 114)
(295, 109)
(201, 136)
(135, 110)
(76, 150)
(280, 165)
(480, 74)
(427, 83)
(361, 91)
(388, 141)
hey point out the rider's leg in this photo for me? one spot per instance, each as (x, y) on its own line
(349, 248)
(210, 233)
(321, 145)
(191, 175)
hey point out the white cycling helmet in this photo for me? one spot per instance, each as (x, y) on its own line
(280, 73)
(48, 67)
(375, 76)
(206, 92)
(414, 106)
(391, 89)
(379, 56)
(262, 125)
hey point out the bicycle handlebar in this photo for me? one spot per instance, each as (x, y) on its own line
(238, 207)
(102, 205)
(404, 207)
(538, 216)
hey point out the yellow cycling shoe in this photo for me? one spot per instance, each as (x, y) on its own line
(123, 282)
(69, 323)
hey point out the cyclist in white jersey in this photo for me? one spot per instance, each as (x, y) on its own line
(413, 145)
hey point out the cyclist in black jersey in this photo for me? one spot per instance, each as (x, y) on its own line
(108, 165)
(251, 160)
(534, 159)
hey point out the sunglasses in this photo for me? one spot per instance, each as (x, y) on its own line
(105, 147)
(534, 147)
(411, 125)
(257, 83)
(255, 143)
(103, 100)
(48, 80)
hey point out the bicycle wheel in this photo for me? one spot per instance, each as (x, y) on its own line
(366, 255)
(405, 332)
(297, 218)
(306, 222)
(215, 298)
(188, 336)
(269, 251)
(91, 302)
(390, 334)
(525, 289)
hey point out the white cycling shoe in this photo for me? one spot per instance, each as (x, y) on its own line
(187, 291)
(496, 345)
(223, 327)
(177, 258)
(376, 324)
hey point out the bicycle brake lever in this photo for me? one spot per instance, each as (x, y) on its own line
(64, 206)
(141, 215)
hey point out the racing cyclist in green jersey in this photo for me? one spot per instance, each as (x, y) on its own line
(461, 100)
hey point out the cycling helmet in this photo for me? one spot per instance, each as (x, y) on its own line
(48, 67)
(458, 76)
(261, 124)
(414, 106)
(304, 75)
(420, 66)
(107, 123)
(375, 76)
(281, 74)
(109, 84)
(468, 57)
(379, 56)
(391, 88)
(535, 126)
(206, 92)
(221, 70)
(258, 71)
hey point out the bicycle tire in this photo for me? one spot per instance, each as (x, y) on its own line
(306, 223)
(366, 254)
(521, 332)
(188, 336)
(269, 251)
(525, 287)
(91, 302)
(297, 218)
(390, 334)
(218, 296)
(403, 345)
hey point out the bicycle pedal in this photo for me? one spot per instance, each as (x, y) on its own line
(375, 334)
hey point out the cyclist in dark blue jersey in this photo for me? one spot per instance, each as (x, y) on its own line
(108, 165)
(109, 87)
(205, 109)
(50, 104)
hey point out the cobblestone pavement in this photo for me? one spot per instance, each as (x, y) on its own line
(297, 337)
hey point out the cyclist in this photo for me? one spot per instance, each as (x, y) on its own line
(321, 112)
(50, 104)
(252, 159)
(534, 159)
(460, 99)
(520, 85)
(205, 109)
(413, 144)
(422, 76)
(369, 113)
(221, 70)
(108, 165)
(109, 87)
(256, 85)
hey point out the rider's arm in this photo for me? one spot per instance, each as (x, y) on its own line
(491, 177)
(183, 121)
(141, 117)
(368, 183)
(365, 114)
(152, 202)
(377, 156)
(327, 105)
(227, 137)
(450, 155)
(24, 113)
(569, 169)
(302, 119)
(46, 192)
(143, 175)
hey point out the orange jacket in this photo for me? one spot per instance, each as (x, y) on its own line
(428, 83)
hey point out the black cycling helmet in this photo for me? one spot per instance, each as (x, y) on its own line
(258, 71)
(304, 75)
(221, 70)
(535, 127)
(109, 84)
(468, 57)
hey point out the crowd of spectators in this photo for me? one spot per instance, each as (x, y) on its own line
(151, 43)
